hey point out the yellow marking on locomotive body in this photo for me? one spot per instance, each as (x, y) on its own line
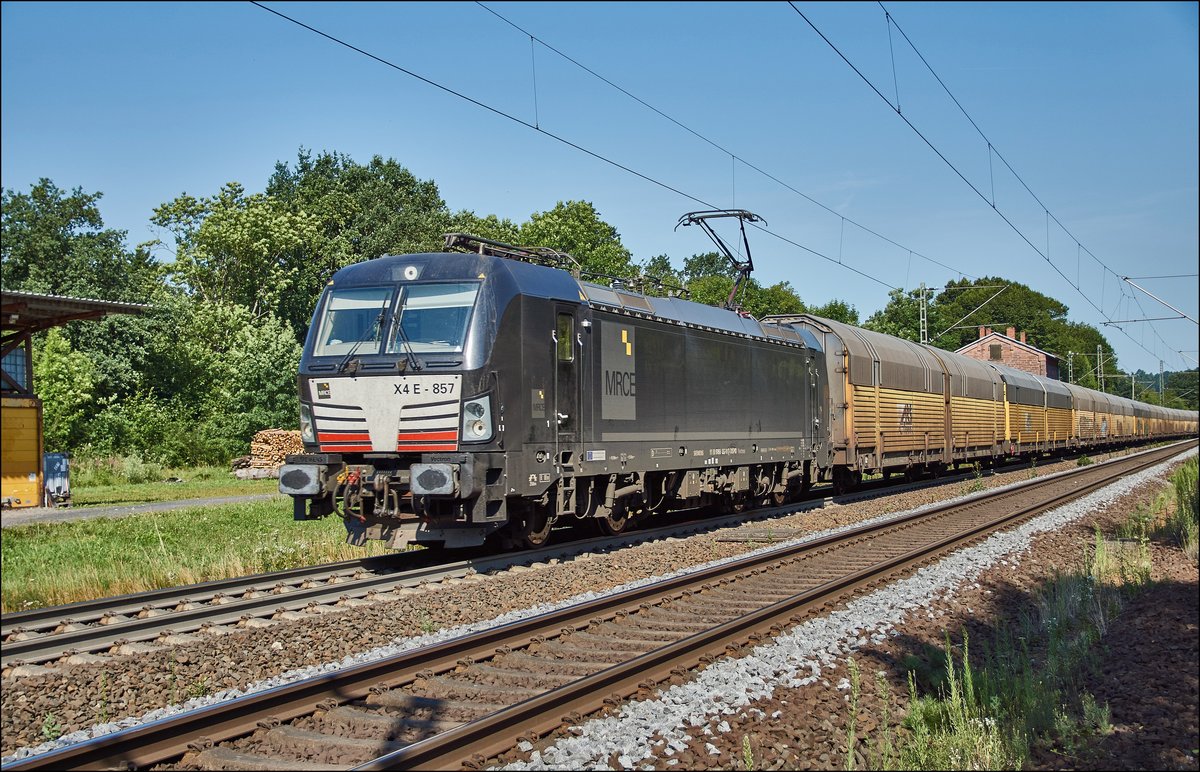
(628, 345)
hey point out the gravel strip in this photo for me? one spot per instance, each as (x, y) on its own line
(148, 686)
(645, 731)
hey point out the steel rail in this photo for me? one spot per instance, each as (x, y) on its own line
(470, 745)
(170, 738)
(88, 611)
(145, 617)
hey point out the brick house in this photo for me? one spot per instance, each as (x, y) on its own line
(1008, 349)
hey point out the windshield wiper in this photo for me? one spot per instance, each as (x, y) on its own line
(398, 328)
(376, 328)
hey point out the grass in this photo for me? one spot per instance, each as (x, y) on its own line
(54, 563)
(110, 495)
(129, 480)
(1181, 524)
(1026, 691)
(976, 484)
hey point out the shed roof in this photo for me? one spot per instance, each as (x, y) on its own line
(27, 312)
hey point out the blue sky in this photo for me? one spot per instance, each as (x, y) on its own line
(1093, 104)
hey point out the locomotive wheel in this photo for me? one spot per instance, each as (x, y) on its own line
(613, 523)
(534, 530)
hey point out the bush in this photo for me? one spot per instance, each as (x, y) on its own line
(93, 471)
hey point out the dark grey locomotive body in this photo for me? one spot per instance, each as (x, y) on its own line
(451, 397)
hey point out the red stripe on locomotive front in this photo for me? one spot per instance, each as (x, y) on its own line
(340, 438)
(451, 435)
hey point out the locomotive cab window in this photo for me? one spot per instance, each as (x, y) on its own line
(353, 321)
(433, 317)
(566, 338)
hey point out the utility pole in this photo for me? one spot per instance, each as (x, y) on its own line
(1132, 382)
(1070, 367)
(1160, 379)
(1100, 366)
(924, 319)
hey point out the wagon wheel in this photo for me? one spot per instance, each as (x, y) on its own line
(614, 522)
(777, 499)
(845, 480)
(737, 503)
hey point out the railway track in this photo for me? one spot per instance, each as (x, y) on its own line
(130, 624)
(463, 701)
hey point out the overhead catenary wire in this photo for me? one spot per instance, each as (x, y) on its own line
(735, 158)
(971, 185)
(1049, 215)
(553, 136)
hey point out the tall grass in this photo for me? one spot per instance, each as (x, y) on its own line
(960, 727)
(1182, 523)
(49, 564)
(1026, 691)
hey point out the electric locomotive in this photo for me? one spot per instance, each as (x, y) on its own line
(448, 399)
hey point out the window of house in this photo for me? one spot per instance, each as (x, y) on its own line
(14, 366)
(994, 352)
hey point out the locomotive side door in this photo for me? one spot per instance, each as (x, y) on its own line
(566, 402)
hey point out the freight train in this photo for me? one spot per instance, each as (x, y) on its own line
(485, 393)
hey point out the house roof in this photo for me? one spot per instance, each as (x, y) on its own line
(1006, 339)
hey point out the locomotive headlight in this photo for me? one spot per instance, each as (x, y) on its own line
(477, 420)
(306, 424)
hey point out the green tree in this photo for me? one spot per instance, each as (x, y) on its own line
(238, 248)
(962, 306)
(1075, 344)
(955, 312)
(837, 310)
(491, 227)
(707, 264)
(65, 381)
(778, 298)
(365, 210)
(216, 374)
(362, 211)
(55, 242)
(575, 227)
(901, 317)
(661, 278)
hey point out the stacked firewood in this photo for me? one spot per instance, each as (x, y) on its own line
(270, 447)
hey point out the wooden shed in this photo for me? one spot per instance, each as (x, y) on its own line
(22, 482)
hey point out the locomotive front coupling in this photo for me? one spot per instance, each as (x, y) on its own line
(310, 480)
(318, 481)
(457, 475)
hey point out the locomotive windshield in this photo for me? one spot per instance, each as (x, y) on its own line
(433, 317)
(353, 318)
(429, 318)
